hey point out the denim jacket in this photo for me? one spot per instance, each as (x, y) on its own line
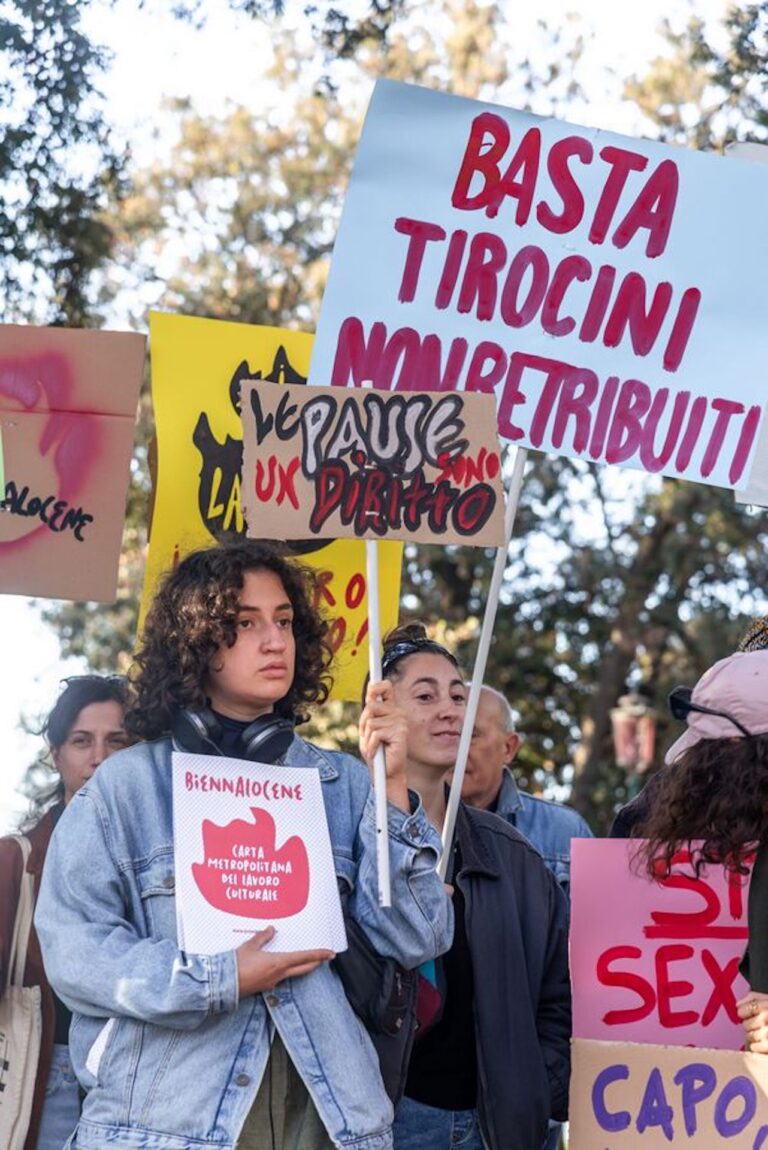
(169, 1056)
(547, 825)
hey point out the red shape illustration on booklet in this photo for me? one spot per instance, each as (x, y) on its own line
(244, 873)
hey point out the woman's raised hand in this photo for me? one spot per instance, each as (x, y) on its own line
(383, 724)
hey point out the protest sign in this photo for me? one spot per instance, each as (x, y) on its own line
(655, 961)
(324, 464)
(626, 1097)
(756, 491)
(67, 412)
(197, 369)
(576, 274)
(252, 849)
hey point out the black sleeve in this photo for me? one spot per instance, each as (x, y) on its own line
(636, 811)
(754, 965)
(553, 1013)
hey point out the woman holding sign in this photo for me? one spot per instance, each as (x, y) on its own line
(257, 1046)
(491, 1063)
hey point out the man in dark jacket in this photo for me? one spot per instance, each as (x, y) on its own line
(521, 983)
(503, 1036)
(490, 785)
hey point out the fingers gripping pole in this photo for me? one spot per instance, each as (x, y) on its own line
(481, 659)
(379, 763)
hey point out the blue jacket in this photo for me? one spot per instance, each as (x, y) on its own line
(168, 1055)
(549, 826)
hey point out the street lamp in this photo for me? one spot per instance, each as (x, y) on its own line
(633, 721)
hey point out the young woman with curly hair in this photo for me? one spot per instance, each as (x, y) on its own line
(197, 612)
(711, 798)
(251, 1047)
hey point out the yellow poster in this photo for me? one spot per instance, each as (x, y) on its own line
(197, 368)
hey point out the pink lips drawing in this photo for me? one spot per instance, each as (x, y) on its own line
(43, 384)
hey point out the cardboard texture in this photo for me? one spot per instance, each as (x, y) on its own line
(67, 412)
(655, 962)
(626, 1097)
(322, 463)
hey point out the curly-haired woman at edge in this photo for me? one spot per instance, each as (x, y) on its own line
(712, 798)
(246, 1048)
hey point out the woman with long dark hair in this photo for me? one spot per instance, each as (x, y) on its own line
(85, 725)
(712, 799)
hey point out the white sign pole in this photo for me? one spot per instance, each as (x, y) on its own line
(481, 659)
(375, 674)
(379, 764)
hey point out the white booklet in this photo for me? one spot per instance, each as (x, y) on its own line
(252, 850)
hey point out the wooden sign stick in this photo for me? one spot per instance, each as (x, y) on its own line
(379, 763)
(481, 659)
(375, 675)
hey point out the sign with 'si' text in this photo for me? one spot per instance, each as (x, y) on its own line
(655, 962)
(322, 463)
(607, 290)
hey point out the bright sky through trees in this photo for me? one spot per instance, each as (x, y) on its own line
(156, 58)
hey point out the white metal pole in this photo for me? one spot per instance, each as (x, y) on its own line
(379, 762)
(481, 659)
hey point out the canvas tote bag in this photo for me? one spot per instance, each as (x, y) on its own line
(20, 1023)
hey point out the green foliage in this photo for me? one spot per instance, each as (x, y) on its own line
(705, 93)
(611, 580)
(339, 32)
(57, 168)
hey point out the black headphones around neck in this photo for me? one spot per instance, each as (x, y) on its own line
(265, 740)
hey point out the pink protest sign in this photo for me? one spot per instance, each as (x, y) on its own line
(67, 410)
(655, 962)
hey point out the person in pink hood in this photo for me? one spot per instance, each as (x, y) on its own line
(712, 798)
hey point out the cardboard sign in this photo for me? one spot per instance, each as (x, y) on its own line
(252, 849)
(655, 962)
(626, 1097)
(197, 369)
(323, 464)
(67, 412)
(608, 290)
